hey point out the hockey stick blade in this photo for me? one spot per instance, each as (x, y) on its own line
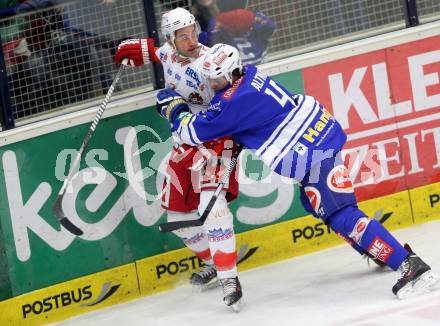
(69, 226)
(175, 225)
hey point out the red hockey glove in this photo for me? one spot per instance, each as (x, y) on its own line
(138, 51)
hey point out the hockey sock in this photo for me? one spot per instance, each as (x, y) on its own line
(369, 234)
(221, 237)
(194, 238)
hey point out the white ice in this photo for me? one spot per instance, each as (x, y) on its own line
(331, 287)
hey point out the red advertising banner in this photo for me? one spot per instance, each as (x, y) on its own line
(388, 102)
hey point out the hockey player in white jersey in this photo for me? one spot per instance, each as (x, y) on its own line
(296, 137)
(185, 198)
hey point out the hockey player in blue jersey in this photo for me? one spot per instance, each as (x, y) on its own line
(296, 137)
(244, 29)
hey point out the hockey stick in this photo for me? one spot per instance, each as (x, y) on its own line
(171, 226)
(57, 208)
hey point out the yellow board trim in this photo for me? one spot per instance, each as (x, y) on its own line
(67, 299)
(426, 203)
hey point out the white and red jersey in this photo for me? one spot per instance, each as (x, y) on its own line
(183, 76)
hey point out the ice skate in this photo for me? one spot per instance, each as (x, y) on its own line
(232, 291)
(417, 277)
(205, 279)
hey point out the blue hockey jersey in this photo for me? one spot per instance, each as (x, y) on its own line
(289, 132)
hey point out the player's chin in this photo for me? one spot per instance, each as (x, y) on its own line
(193, 52)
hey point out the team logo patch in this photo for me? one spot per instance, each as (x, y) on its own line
(314, 197)
(359, 229)
(381, 250)
(300, 148)
(338, 180)
(219, 234)
(195, 98)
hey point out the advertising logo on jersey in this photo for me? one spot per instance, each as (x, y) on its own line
(194, 239)
(214, 106)
(314, 131)
(381, 250)
(314, 197)
(230, 92)
(67, 298)
(193, 74)
(339, 180)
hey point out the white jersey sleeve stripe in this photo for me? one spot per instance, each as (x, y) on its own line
(277, 131)
(291, 130)
(185, 133)
(193, 131)
(296, 137)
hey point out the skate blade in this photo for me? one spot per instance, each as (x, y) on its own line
(423, 284)
(206, 287)
(237, 306)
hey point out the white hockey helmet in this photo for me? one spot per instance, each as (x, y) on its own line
(176, 19)
(220, 61)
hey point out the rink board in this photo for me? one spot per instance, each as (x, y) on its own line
(426, 203)
(269, 244)
(71, 298)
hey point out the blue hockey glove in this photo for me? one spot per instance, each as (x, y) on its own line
(170, 104)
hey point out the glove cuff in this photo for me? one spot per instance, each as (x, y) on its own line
(170, 108)
(145, 50)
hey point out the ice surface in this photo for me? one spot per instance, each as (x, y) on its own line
(331, 287)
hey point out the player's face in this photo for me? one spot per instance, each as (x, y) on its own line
(186, 41)
(218, 83)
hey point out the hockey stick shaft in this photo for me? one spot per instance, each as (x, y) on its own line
(57, 207)
(172, 226)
